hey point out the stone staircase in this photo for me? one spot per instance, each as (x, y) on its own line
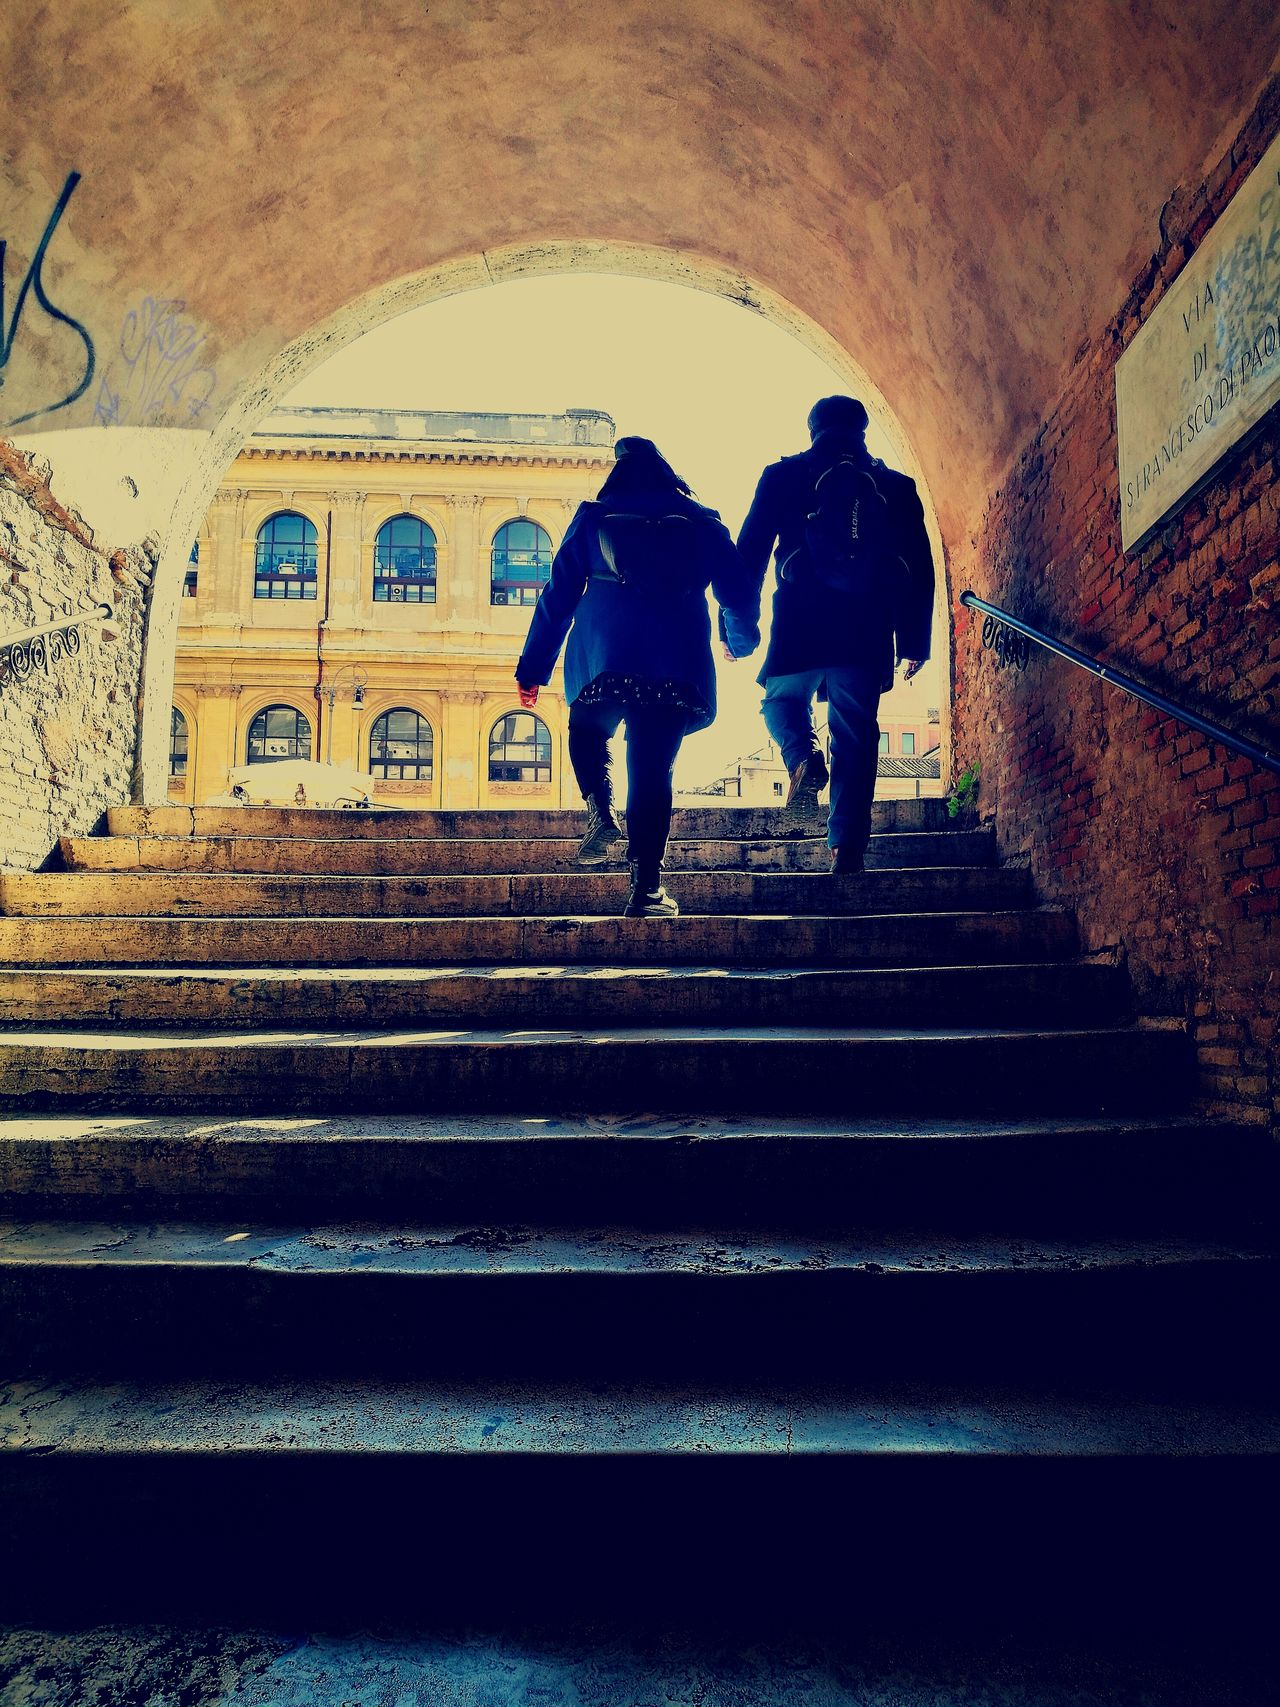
(391, 1225)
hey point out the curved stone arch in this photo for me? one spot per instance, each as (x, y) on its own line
(383, 507)
(282, 372)
(259, 511)
(493, 530)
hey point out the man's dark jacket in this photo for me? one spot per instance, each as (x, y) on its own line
(628, 630)
(814, 626)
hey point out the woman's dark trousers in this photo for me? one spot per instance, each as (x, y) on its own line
(654, 734)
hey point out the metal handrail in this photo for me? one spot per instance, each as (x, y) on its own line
(47, 644)
(1193, 720)
(99, 613)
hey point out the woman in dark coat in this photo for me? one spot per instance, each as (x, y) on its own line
(628, 588)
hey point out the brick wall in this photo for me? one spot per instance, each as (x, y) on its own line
(67, 736)
(1165, 843)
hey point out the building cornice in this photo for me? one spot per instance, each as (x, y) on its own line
(576, 456)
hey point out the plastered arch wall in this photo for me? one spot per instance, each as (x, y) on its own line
(200, 188)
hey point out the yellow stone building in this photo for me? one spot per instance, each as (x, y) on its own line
(360, 591)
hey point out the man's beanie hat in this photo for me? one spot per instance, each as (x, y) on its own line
(837, 414)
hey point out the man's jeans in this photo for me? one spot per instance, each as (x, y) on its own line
(853, 699)
(654, 734)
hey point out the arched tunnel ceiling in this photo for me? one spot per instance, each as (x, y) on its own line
(957, 190)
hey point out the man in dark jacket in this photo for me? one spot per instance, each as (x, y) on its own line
(837, 636)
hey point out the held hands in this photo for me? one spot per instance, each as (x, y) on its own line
(528, 695)
(910, 667)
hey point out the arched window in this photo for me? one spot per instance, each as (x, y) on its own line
(520, 749)
(285, 561)
(191, 578)
(521, 563)
(400, 746)
(278, 732)
(178, 743)
(404, 563)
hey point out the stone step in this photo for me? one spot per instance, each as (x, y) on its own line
(780, 1070)
(891, 939)
(414, 1421)
(287, 1502)
(1072, 1175)
(178, 894)
(732, 823)
(1078, 993)
(501, 855)
(611, 1303)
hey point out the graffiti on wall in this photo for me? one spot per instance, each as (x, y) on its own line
(32, 291)
(159, 373)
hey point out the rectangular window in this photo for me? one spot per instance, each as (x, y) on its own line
(516, 595)
(395, 590)
(884, 740)
(285, 571)
(281, 587)
(909, 741)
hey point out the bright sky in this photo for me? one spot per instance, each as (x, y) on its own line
(721, 391)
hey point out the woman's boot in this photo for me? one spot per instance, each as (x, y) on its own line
(603, 830)
(648, 899)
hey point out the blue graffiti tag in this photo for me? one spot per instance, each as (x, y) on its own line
(164, 374)
(33, 284)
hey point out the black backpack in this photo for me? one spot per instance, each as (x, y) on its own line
(665, 556)
(847, 536)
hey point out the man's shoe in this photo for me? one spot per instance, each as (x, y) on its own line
(648, 899)
(808, 780)
(603, 832)
(846, 864)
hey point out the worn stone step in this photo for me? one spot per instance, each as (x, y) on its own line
(622, 1303)
(1070, 1174)
(1045, 994)
(290, 1501)
(734, 823)
(891, 939)
(416, 1420)
(179, 894)
(506, 854)
(778, 1070)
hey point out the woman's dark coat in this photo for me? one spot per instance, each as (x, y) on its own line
(624, 630)
(815, 627)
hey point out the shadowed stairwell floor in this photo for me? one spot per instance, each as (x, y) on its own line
(392, 1232)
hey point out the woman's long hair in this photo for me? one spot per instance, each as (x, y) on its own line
(641, 468)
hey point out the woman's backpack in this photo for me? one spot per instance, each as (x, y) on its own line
(662, 555)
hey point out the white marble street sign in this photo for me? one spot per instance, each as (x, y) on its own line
(1205, 368)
